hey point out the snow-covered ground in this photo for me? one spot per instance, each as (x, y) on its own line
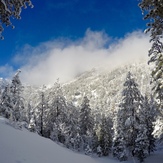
(22, 146)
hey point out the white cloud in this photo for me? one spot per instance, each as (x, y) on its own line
(6, 71)
(65, 59)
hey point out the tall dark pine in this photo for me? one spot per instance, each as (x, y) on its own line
(40, 114)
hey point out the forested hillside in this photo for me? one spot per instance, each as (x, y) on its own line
(91, 113)
(104, 86)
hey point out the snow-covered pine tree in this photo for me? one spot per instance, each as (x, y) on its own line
(72, 126)
(141, 143)
(95, 142)
(144, 132)
(85, 119)
(131, 103)
(119, 140)
(51, 117)
(105, 137)
(6, 109)
(145, 141)
(148, 116)
(153, 10)
(157, 77)
(119, 147)
(32, 117)
(32, 124)
(12, 102)
(17, 101)
(128, 118)
(61, 124)
(99, 151)
(56, 123)
(86, 123)
(77, 142)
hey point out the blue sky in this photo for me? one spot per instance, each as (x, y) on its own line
(68, 19)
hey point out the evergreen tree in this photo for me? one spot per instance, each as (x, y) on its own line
(56, 123)
(51, 117)
(157, 78)
(12, 102)
(78, 142)
(119, 140)
(105, 137)
(119, 148)
(154, 9)
(86, 123)
(16, 97)
(154, 13)
(131, 103)
(61, 119)
(6, 109)
(32, 124)
(31, 118)
(148, 115)
(85, 118)
(141, 143)
(72, 126)
(128, 120)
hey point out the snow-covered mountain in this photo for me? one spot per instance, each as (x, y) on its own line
(104, 86)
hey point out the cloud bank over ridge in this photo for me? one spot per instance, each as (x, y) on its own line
(64, 59)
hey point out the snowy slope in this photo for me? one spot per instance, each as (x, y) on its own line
(21, 146)
(18, 146)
